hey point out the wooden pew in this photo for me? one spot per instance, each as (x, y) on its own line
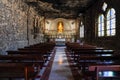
(24, 63)
(17, 70)
(26, 52)
(98, 60)
(47, 50)
(91, 52)
(87, 63)
(30, 52)
(23, 59)
(19, 66)
(44, 51)
(90, 56)
(100, 69)
(34, 50)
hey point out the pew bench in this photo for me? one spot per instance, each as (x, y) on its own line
(110, 72)
(46, 53)
(17, 70)
(88, 56)
(85, 61)
(29, 52)
(16, 66)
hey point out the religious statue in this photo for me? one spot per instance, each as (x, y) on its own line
(60, 27)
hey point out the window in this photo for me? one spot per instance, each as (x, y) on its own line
(82, 30)
(104, 6)
(111, 22)
(101, 25)
(107, 23)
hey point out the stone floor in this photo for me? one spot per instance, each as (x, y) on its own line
(60, 68)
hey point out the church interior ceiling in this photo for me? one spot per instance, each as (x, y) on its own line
(61, 8)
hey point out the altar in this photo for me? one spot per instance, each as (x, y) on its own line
(60, 41)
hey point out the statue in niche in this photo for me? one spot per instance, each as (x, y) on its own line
(60, 27)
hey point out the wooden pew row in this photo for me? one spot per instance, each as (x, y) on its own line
(100, 70)
(92, 52)
(20, 66)
(75, 48)
(30, 52)
(24, 63)
(46, 51)
(25, 52)
(90, 60)
(44, 45)
(88, 56)
(22, 58)
(16, 70)
(92, 55)
(34, 51)
(86, 61)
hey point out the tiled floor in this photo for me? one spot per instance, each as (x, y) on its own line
(60, 68)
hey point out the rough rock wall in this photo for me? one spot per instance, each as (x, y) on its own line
(15, 31)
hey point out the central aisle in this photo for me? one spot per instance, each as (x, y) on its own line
(60, 68)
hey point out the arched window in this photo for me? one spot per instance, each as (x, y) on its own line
(81, 30)
(101, 25)
(111, 22)
(104, 7)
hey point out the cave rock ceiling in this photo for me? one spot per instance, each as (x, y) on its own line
(61, 8)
